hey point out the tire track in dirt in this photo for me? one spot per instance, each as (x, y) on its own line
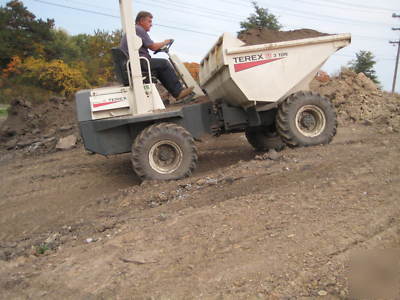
(257, 228)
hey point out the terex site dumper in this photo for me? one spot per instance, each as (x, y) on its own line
(262, 90)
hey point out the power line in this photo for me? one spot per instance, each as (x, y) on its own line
(101, 7)
(335, 5)
(178, 4)
(233, 18)
(352, 56)
(338, 19)
(117, 17)
(188, 10)
(357, 5)
(369, 37)
(205, 9)
(328, 4)
(87, 3)
(157, 24)
(237, 3)
(327, 19)
(77, 9)
(187, 30)
(308, 15)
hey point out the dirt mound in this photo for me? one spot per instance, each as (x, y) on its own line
(38, 128)
(262, 36)
(357, 98)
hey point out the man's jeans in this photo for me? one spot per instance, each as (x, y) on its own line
(162, 69)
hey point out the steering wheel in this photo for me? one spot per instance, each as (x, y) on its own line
(165, 48)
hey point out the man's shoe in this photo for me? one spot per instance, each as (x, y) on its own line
(184, 93)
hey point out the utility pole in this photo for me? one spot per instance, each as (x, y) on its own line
(398, 54)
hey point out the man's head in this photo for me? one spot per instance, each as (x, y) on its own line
(144, 19)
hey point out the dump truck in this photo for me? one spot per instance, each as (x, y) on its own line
(261, 90)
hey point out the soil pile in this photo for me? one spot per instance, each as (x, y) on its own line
(357, 98)
(263, 36)
(38, 128)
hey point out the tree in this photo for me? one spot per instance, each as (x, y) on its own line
(62, 47)
(364, 63)
(21, 34)
(96, 55)
(260, 19)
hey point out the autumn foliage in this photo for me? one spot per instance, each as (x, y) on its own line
(54, 75)
(12, 67)
(34, 53)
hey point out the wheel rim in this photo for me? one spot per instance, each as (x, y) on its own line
(310, 120)
(165, 157)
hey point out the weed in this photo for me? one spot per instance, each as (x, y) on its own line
(41, 249)
(3, 111)
(34, 94)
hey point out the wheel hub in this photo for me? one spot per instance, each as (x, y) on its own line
(165, 153)
(165, 156)
(310, 120)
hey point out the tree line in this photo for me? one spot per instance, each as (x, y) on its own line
(35, 53)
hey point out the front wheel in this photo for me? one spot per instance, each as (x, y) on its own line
(306, 119)
(164, 151)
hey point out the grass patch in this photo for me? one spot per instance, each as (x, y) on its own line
(41, 249)
(33, 94)
(3, 111)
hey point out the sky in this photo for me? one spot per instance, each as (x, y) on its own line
(196, 25)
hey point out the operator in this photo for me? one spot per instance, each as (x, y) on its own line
(159, 66)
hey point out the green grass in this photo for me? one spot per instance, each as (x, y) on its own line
(41, 249)
(33, 94)
(3, 111)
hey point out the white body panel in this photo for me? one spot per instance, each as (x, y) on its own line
(116, 101)
(109, 102)
(243, 75)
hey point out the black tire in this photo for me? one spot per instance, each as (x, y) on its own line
(306, 119)
(164, 151)
(264, 139)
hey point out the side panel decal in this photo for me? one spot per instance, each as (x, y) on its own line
(248, 65)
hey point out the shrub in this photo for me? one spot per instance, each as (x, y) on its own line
(34, 94)
(55, 75)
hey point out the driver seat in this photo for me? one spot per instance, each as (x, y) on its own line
(120, 58)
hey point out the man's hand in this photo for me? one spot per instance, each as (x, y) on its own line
(166, 42)
(157, 46)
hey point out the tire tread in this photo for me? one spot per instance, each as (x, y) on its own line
(283, 118)
(139, 145)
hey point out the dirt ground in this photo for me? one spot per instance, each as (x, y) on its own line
(80, 226)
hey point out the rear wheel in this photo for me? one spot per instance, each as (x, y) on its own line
(306, 119)
(164, 151)
(264, 138)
